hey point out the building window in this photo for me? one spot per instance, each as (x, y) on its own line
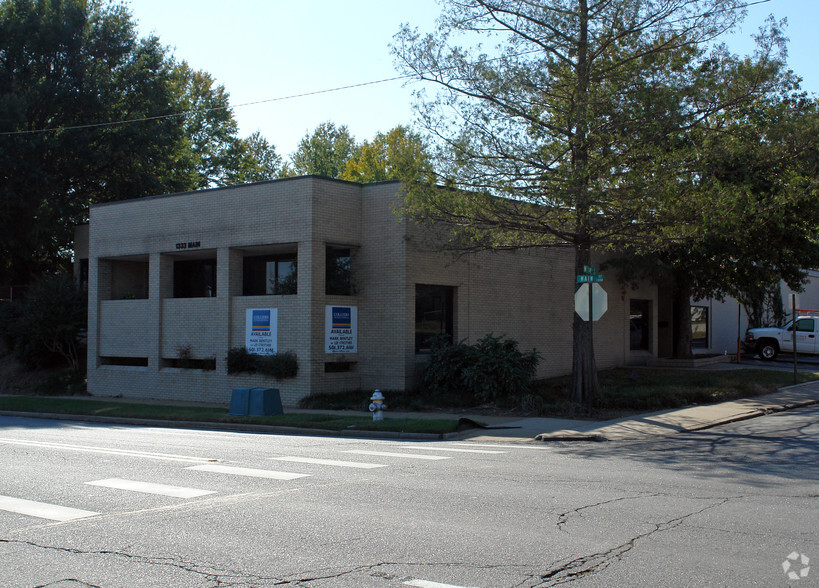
(194, 278)
(699, 327)
(338, 278)
(83, 275)
(270, 274)
(129, 280)
(640, 324)
(434, 313)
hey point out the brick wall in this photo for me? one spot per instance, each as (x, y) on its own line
(526, 295)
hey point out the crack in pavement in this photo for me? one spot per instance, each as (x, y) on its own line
(73, 580)
(597, 562)
(372, 570)
(563, 517)
(216, 577)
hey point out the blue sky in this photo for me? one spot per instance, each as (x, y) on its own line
(266, 49)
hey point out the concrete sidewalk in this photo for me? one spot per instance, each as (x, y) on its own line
(505, 429)
(642, 426)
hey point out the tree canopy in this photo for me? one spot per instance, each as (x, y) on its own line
(753, 211)
(399, 154)
(90, 112)
(331, 151)
(324, 152)
(571, 132)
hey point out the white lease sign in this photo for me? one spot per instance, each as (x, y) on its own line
(341, 329)
(261, 331)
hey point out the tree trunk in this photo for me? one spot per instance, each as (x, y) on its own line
(682, 317)
(585, 385)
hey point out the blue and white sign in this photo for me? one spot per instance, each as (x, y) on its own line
(341, 329)
(261, 330)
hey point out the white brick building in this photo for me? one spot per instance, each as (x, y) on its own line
(171, 279)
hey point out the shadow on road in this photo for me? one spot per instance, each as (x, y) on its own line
(754, 452)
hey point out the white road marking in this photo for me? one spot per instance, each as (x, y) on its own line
(150, 488)
(453, 449)
(428, 584)
(43, 510)
(250, 472)
(505, 446)
(108, 450)
(332, 462)
(388, 454)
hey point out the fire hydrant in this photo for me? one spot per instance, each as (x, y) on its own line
(377, 406)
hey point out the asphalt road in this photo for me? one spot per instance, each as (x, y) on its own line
(119, 506)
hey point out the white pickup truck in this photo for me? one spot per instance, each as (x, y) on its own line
(768, 342)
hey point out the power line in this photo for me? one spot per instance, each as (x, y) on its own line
(195, 111)
(257, 102)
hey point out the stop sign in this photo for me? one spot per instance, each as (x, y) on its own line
(600, 301)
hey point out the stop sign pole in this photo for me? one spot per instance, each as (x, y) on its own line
(591, 278)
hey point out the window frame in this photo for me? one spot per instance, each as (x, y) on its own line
(446, 294)
(338, 283)
(249, 285)
(698, 342)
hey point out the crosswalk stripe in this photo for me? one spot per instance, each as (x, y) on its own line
(43, 510)
(389, 454)
(253, 473)
(428, 584)
(453, 449)
(331, 462)
(504, 446)
(107, 450)
(150, 488)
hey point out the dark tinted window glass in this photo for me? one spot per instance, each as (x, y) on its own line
(433, 314)
(339, 275)
(639, 324)
(266, 274)
(195, 278)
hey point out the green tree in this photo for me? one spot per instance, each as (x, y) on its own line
(210, 131)
(65, 64)
(90, 113)
(568, 134)
(755, 206)
(254, 159)
(50, 322)
(324, 152)
(400, 154)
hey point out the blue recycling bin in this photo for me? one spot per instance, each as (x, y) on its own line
(265, 402)
(239, 401)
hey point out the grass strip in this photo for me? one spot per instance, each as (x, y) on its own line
(330, 422)
(622, 391)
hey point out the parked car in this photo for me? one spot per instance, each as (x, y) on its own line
(768, 342)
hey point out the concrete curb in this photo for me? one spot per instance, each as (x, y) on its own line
(237, 427)
(751, 414)
(771, 409)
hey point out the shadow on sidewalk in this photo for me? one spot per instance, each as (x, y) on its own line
(754, 452)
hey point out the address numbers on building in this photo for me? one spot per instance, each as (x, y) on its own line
(189, 245)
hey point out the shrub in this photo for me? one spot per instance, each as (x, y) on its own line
(239, 360)
(280, 365)
(62, 383)
(46, 328)
(491, 370)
